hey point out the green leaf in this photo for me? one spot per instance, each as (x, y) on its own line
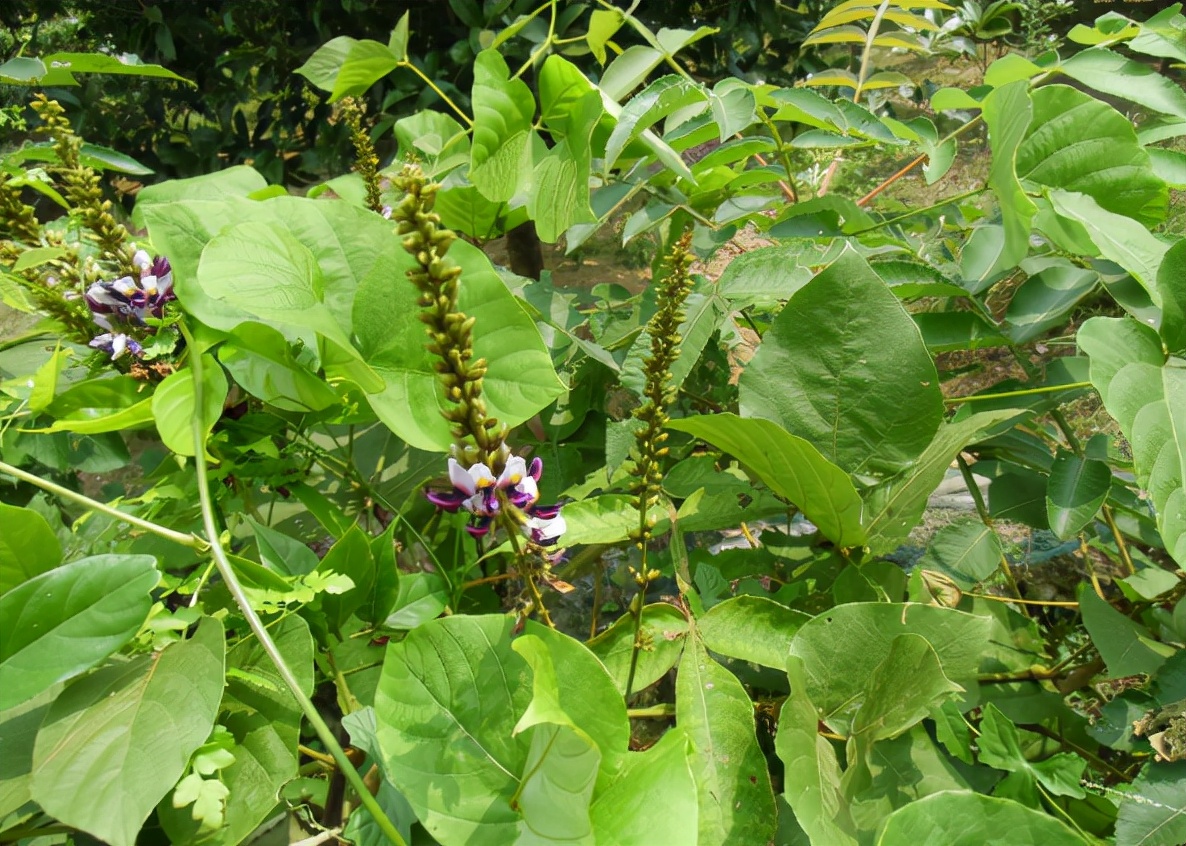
(1000, 746)
(397, 43)
(1118, 238)
(664, 630)
(63, 66)
(1078, 143)
(562, 763)
(282, 554)
(1173, 298)
(65, 621)
(751, 628)
(1007, 112)
(115, 742)
(966, 551)
(560, 185)
(943, 331)
(1158, 817)
(265, 719)
(262, 270)
(1148, 400)
(602, 26)
(768, 275)
(262, 363)
(1126, 646)
(1077, 488)
(844, 367)
(173, 405)
(22, 70)
(500, 158)
(449, 745)
(841, 648)
(811, 784)
(28, 546)
(733, 782)
(520, 380)
(655, 788)
(1113, 74)
(789, 466)
(894, 508)
(1046, 298)
(901, 690)
(350, 556)
(18, 728)
(960, 818)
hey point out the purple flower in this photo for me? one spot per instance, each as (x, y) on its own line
(127, 301)
(476, 490)
(115, 345)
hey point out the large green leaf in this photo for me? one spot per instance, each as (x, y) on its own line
(174, 406)
(1173, 298)
(841, 648)
(560, 180)
(1126, 646)
(562, 763)
(751, 628)
(1118, 238)
(966, 551)
(115, 742)
(1113, 74)
(1148, 400)
(500, 158)
(264, 270)
(811, 783)
(647, 107)
(736, 799)
(1078, 143)
(62, 622)
(789, 466)
(895, 507)
(1158, 816)
(901, 690)
(1046, 298)
(844, 367)
(448, 702)
(265, 719)
(1007, 112)
(664, 629)
(999, 743)
(18, 730)
(961, 818)
(769, 275)
(1077, 488)
(656, 792)
(519, 381)
(263, 364)
(28, 546)
(63, 66)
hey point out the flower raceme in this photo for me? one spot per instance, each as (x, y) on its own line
(127, 303)
(481, 493)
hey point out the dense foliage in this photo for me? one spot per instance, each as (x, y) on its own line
(317, 512)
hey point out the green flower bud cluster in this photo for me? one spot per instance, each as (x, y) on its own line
(16, 218)
(658, 392)
(82, 188)
(366, 161)
(479, 438)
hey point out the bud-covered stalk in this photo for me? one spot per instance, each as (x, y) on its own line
(82, 187)
(366, 161)
(478, 438)
(16, 218)
(658, 392)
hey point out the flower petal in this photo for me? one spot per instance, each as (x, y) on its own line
(446, 501)
(513, 472)
(537, 468)
(546, 532)
(460, 478)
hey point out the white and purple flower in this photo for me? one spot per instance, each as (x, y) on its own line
(128, 303)
(477, 489)
(116, 345)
